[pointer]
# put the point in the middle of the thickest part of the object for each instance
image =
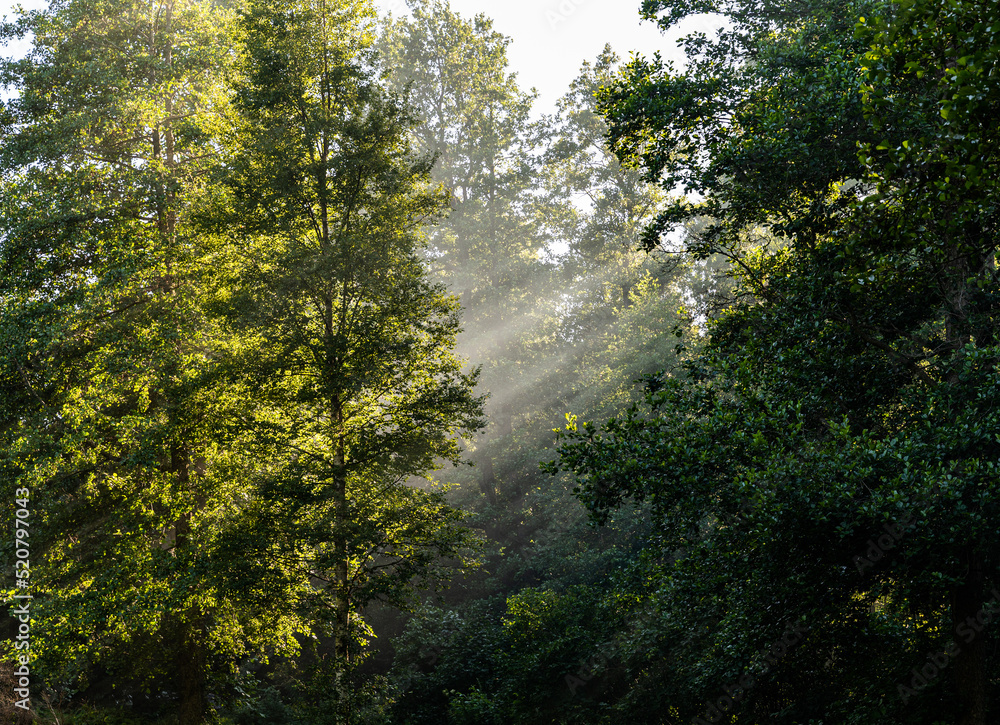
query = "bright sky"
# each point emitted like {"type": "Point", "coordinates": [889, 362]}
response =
{"type": "Point", "coordinates": [7, 10]}
{"type": "Point", "coordinates": [552, 38]}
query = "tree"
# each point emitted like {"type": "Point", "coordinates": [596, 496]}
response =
{"type": "Point", "coordinates": [851, 385]}
{"type": "Point", "coordinates": [360, 391]}
{"type": "Point", "coordinates": [114, 416]}
{"type": "Point", "coordinates": [930, 72]}
{"type": "Point", "coordinates": [491, 249]}
{"type": "Point", "coordinates": [560, 591]}
{"type": "Point", "coordinates": [614, 293]}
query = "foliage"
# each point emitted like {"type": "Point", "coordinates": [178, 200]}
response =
{"type": "Point", "coordinates": [849, 386]}
{"type": "Point", "coordinates": [218, 446]}
{"type": "Point", "coordinates": [235, 244]}
{"type": "Point", "coordinates": [114, 416]}
{"type": "Point", "coordinates": [577, 339]}
{"type": "Point", "coordinates": [491, 248]}
{"type": "Point", "coordinates": [348, 342]}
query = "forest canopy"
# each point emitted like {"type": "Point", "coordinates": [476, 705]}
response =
{"type": "Point", "coordinates": [338, 385]}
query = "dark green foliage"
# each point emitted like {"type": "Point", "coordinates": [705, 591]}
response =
{"type": "Point", "coordinates": [851, 384]}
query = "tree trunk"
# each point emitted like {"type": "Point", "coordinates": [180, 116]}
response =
{"type": "Point", "coordinates": [190, 652]}
{"type": "Point", "coordinates": [505, 421]}
{"type": "Point", "coordinates": [341, 581]}
{"type": "Point", "coordinates": [487, 479]}
{"type": "Point", "coordinates": [191, 671]}
{"type": "Point", "coordinates": [970, 664]}
{"type": "Point", "coordinates": [342, 616]}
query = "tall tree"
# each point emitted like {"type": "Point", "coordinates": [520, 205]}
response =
{"type": "Point", "coordinates": [931, 72]}
{"type": "Point", "coordinates": [570, 589]}
{"type": "Point", "coordinates": [614, 293]}
{"type": "Point", "coordinates": [491, 249]}
{"type": "Point", "coordinates": [360, 389]}
{"type": "Point", "coordinates": [114, 415]}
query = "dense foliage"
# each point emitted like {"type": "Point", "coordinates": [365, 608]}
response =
{"type": "Point", "coordinates": [684, 398]}
{"type": "Point", "coordinates": [832, 458]}
{"type": "Point", "coordinates": [224, 361]}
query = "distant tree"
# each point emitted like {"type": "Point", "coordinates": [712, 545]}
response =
{"type": "Point", "coordinates": [491, 248]}
{"type": "Point", "coordinates": [567, 595]}
{"type": "Point", "coordinates": [617, 298]}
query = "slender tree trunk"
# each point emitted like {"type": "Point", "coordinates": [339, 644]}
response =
{"type": "Point", "coordinates": [487, 479]}
{"type": "Point", "coordinates": [970, 664]}
{"type": "Point", "coordinates": [342, 603]}
{"type": "Point", "coordinates": [505, 420]}
{"type": "Point", "coordinates": [190, 644]}
{"type": "Point", "coordinates": [190, 652]}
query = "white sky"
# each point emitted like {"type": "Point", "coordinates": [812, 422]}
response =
{"type": "Point", "coordinates": [7, 10]}
{"type": "Point", "coordinates": [550, 39]}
